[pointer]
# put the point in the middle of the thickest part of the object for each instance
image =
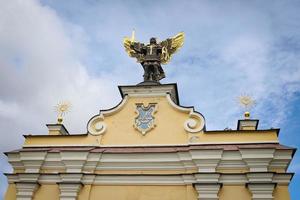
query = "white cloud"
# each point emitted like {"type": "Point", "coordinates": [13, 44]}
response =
{"type": "Point", "coordinates": [73, 52]}
{"type": "Point", "coordinates": [38, 69]}
{"type": "Point", "coordinates": [40, 65]}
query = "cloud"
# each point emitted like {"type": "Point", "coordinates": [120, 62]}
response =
{"type": "Point", "coordinates": [53, 51]}
{"type": "Point", "coordinates": [40, 65]}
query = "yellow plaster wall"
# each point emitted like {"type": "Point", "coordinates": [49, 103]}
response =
{"type": "Point", "coordinates": [47, 192]}
{"type": "Point", "coordinates": [61, 140]}
{"type": "Point", "coordinates": [85, 193]}
{"type": "Point", "coordinates": [169, 129]}
{"type": "Point", "coordinates": [242, 136]}
{"type": "Point", "coordinates": [281, 192]}
{"type": "Point", "coordinates": [234, 192]}
{"type": "Point", "coordinates": [149, 192]}
{"type": "Point", "coordinates": [143, 193]}
{"type": "Point", "coordinates": [10, 192]}
{"type": "Point", "coordinates": [169, 125]}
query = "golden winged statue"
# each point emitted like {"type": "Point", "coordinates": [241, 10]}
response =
{"type": "Point", "coordinates": [152, 55]}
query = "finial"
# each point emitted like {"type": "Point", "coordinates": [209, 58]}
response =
{"type": "Point", "coordinates": [247, 102]}
{"type": "Point", "coordinates": [61, 109]}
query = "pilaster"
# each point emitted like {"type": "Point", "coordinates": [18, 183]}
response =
{"type": "Point", "coordinates": [207, 191]}
{"type": "Point", "coordinates": [26, 190]}
{"type": "Point", "coordinates": [261, 191]}
{"type": "Point", "coordinates": [69, 191]}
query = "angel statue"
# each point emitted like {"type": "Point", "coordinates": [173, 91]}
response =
{"type": "Point", "coordinates": [152, 55]}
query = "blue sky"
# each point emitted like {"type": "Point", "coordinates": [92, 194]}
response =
{"type": "Point", "coordinates": [56, 50]}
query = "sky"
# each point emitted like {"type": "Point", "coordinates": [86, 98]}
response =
{"type": "Point", "coordinates": [53, 50]}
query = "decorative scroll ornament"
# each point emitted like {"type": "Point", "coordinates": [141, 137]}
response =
{"type": "Point", "coordinates": [97, 126]}
{"type": "Point", "coordinates": [195, 123]}
{"type": "Point", "coordinates": [144, 121]}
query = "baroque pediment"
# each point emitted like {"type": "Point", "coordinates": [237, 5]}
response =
{"type": "Point", "coordinates": [147, 114]}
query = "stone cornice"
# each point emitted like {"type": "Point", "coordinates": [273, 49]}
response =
{"type": "Point", "coordinates": [153, 179]}
{"type": "Point", "coordinates": [204, 160]}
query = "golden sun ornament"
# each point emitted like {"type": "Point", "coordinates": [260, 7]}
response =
{"type": "Point", "coordinates": [247, 102]}
{"type": "Point", "coordinates": [62, 108]}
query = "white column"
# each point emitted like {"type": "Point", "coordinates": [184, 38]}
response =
{"type": "Point", "coordinates": [261, 191]}
{"type": "Point", "coordinates": [25, 191]}
{"type": "Point", "coordinates": [208, 191]}
{"type": "Point", "coordinates": [69, 191]}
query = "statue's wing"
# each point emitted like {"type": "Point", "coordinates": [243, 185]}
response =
{"type": "Point", "coordinates": [170, 46]}
{"type": "Point", "coordinates": [131, 50]}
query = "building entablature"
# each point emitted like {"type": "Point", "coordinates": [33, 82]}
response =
{"type": "Point", "coordinates": [153, 179]}
{"type": "Point", "coordinates": [201, 158]}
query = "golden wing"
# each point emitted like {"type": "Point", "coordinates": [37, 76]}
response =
{"type": "Point", "coordinates": [170, 46]}
{"type": "Point", "coordinates": [133, 49]}
{"type": "Point", "coordinates": [128, 47]}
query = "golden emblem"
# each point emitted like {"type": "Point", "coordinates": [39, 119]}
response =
{"type": "Point", "coordinates": [61, 109]}
{"type": "Point", "coordinates": [247, 102]}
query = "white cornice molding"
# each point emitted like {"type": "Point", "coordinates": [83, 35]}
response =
{"type": "Point", "coordinates": [28, 177]}
{"type": "Point", "coordinates": [32, 161]}
{"type": "Point", "coordinates": [49, 179]}
{"type": "Point", "coordinates": [152, 145]}
{"type": "Point", "coordinates": [260, 177]}
{"type": "Point", "coordinates": [207, 177]}
{"type": "Point", "coordinates": [282, 179]}
{"type": "Point", "coordinates": [74, 161]}
{"type": "Point", "coordinates": [153, 179]}
{"type": "Point", "coordinates": [150, 91]}
{"type": "Point", "coordinates": [206, 160]}
{"type": "Point", "coordinates": [71, 177]}
{"type": "Point", "coordinates": [233, 179]}
{"type": "Point", "coordinates": [255, 160]}
{"type": "Point", "coordinates": [258, 160]}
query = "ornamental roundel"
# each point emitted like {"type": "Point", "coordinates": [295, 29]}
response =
{"type": "Point", "coordinates": [144, 120]}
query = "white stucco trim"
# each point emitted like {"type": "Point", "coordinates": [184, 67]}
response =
{"type": "Point", "coordinates": [158, 179]}
{"type": "Point", "coordinates": [203, 160]}
{"type": "Point", "coordinates": [150, 145]}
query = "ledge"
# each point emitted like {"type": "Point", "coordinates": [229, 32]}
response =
{"type": "Point", "coordinates": [243, 131]}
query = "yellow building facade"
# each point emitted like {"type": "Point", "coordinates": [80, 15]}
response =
{"type": "Point", "coordinates": [148, 147]}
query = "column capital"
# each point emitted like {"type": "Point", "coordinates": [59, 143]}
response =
{"type": "Point", "coordinates": [261, 191]}
{"type": "Point", "coordinates": [26, 190]}
{"type": "Point", "coordinates": [69, 191]}
{"type": "Point", "coordinates": [207, 191]}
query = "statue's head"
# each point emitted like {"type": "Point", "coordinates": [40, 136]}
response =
{"type": "Point", "coordinates": [153, 40]}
